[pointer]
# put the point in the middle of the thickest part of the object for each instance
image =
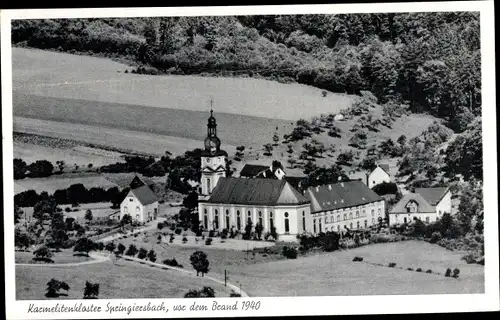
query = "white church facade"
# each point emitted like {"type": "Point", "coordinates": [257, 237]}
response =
{"type": "Point", "coordinates": [252, 198]}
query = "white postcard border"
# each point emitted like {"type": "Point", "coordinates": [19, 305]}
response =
{"type": "Point", "coordinates": [274, 306]}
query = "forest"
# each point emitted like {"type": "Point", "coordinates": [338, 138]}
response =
{"type": "Point", "coordinates": [423, 62]}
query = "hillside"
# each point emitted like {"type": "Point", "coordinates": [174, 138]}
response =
{"type": "Point", "coordinates": [430, 61]}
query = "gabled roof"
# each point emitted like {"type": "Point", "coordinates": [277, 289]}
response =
{"type": "Point", "coordinates": [144, 195]}
{"type": "Point", "coordinates": [340, 195]}
{"type": "Point", "coordinates": [423, 205]}
{"type": "Point", "coordinates": [385, 167]}
{"type": "Point", "coordinates": [136, 183]}
{"type": "Point", "coordinates": [255, 192]}
{"type": "Point", "coordinates": [251, 170]}
{"type": "Point", "coordinates": [432, 195]}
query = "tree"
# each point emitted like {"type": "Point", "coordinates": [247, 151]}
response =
{"type": "Point", "coordinates": [61, 164]}
{"type": "Point", "coordinates": [59, 236]}
{"type": "Point", "coordinates": [120, 249]}
{"type": "Point", "coordinates": [20, 169]}
{"type": "Point", "coordinates": [402, 140]}
{"type": "Point", "coordinates": [42, 253]}
{"type": "Point", "coordinates": [142, 253]}
{"type": "Point", "coordinates": [91, 290]}
{"type": "Point", "coordinates": [200, 262]}
{"type": "Point", "coordinates": [88, 216]}
{"type": "Point", "coordinates": [18, 214]}
{"type": "Point", "coordinates": [248, 230]}
{"type": "Point", "coordinates": [258, 229]}
{"type": "Point", "coordinates": [126, 219]}
{"type": "Point", "coordinates": [471, 207]}
{"type": "Point", "coordinates": [22, 240]}
{"type": "Point", "coordinates": [152, 255]}
{"type": "Point", "coordinates": [276, 138]}
{"type": "Point", "coordinates": [84, 245]}
{"type": "Point", "coordinates": [324, 175]}
{"type": "Point", "coordinates": [28, 198]}
{"type": "Point", "coordinates": [131, 251]}
{"type": "Point", "coordinates": [44, 209]}
{"type": "Point", "coordinates": [54, 286]}
{"type": "Point", "coordinates": [268, 149]}
{"type": "Point", "coordinates": [206, 292]}
{"type": "Point", "coordinates": [40, 169]}
{"type": "Point", "coordinates": [110, 246]}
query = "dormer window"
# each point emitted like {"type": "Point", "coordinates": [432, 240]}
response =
{"type": "Point", "coordinates": [411, 207]}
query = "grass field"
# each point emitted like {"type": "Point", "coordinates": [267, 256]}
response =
{"type": "Point", "coordinates": [335, 273]}
{"type": "Point", "coordinates": [60, 75]}
{"type": "Point", "coordinates": [123, 280]}
{"type": "Point", "coordinates": [65, 256]}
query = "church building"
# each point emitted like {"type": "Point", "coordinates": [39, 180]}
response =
{"type": "Point", "coordinates": [229, 202]}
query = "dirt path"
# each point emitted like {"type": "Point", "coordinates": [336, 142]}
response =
{"type": "Point", "coordinates": [96, 258]}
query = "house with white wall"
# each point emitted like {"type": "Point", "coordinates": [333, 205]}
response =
{"type": "Point", "coordinates": [140, 203]}
{"type": "Point", "coordinates": [426, 204]}
{"type": "Point", "coordinates": [378, 175]}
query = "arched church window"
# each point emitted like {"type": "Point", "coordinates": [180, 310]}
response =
{"type": "Point", "coordinates": [357, 225]}
{"type": "Point", "coordinates": [338, 218]}
{"type": "Point", "coordinates": [350, 225]}
{"type": "Point", "coordinates": [208, 185]}
{"type": "Point", "coordinates": [314, 226]}
{"type": "Point", "coordinates": [320, 227]}
{"type": "Point", "coordinates": [249, 217]}
{"type": "Point", "coordinates": [227, 219]}
{"type": "Point", "coordinates": [260, 217]}
{"type": "Point", "coordinates": [216, 220]}
{"type": "Point", "coordinates": [238, 220]}
{"type": "Point", "coordinates": [271, 221]}
{"type": "Point", "coordinates": [287, 223]}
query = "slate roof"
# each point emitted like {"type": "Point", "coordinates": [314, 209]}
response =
{"type": "Point", "coordinates": [340, 195]}
{"type": "Point", "coordinates": [251, 170]}
{"type": "Point", "coordinates": [432, 195]}
{"type": "Point", "coordinates": [294, 181]}
{"type": "Point", "coordinates": [255, 192]}
{"type": "Point", "coordinates": [144, 195]}
{"type": "Point", "coordinates": [423, 205]}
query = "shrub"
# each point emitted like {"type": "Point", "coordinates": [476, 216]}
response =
{"type": "Point", "coordinates": [456, 272]}
{"type": "Point", "coordinates": [184, 240]}
{"type": "Point", "coordinates": [68, 209]}
{"type": "Point", "coordinates": [409, 269]}
{"type": "Point", "coordinates": [211, 234]}
{"type": "Point", "coordinates": [436, 236]}
{"type": "Point", "coordinates": [172, 263]}
{"type": "Point", "coordinates": [448, 273]}
{"type": "Point", "coordinates": [178, 231]}
{"type": "Point", "coordinates": [429, 271]}
{"type": "Point", "coordinates": [289, 252]}
{"type": "Point", "coordinates": [234, 295]}
{"type": "Point", "coordinates": [224, 234]}
{"type": "Point", "coordinates": [392, 264]}
{"type": "Point", "coordinates": [357, 259]}
{"type": "Point", "coordinates": [160, 225]}
{"type": "Point", "coordinates": [419, 270]}
{"type": "Point", "coordinates": [208, 241]}
{"type": "Point", "coordinates": [469, 258]}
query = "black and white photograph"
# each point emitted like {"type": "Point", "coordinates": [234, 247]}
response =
{"type": "Point", "coordinates": [250, 154]}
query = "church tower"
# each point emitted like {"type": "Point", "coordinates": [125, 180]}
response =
{"type": "Point", "coordinates": [213, 160]}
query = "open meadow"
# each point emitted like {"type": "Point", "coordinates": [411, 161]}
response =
{"type": "Point", "coordinates": [336, 274]}
{"type": "Point", "coordinates": [60, 75]}
{"type": "Point", "coordinates": [333, 273]}
{"type": "Point", "coordinates": [120, 280]}
{"type": "Point", "coordinates": [85, 98]}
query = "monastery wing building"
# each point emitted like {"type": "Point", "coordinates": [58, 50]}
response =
{"type": "Point", "coordinates": [234, 202]}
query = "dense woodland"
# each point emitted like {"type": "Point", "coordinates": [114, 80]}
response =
{"type": "Point", "coordinates": [429, 62]}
